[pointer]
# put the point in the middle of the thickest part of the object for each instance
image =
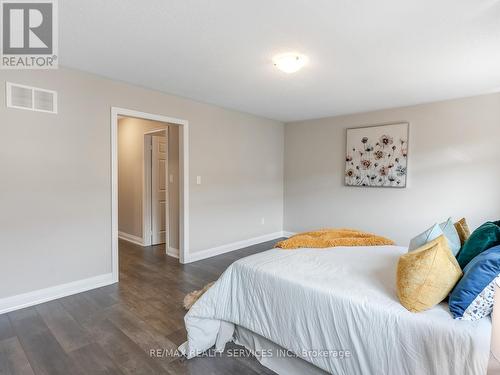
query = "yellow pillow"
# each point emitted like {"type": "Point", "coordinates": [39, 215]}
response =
{"type": "Point", "coordinates": [426, 275]}
{"type": "Point", "coordinates": [462, 230]}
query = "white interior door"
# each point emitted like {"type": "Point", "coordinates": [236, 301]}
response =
{"type": "Point", "coordinates": [159, 190]}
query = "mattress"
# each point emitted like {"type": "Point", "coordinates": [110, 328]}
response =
{"type": "Point", "coordinates": [337, 309]}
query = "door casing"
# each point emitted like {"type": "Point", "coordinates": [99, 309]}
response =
{"type": "Point", "coordinates": [148, 194]}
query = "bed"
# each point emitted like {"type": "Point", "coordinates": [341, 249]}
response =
{"type": "Point", "coordinates": [337, 310]}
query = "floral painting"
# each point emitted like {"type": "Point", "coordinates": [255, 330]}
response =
{"type": "Point", "coordinates": [377, 156]}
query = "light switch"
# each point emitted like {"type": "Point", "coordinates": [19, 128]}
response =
{"type": "Point", "coordinates": [198, 180]}
{"type": "Point", "coordinates": [171, 178]}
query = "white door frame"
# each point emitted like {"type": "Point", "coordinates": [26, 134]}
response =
{"type": "Point", "coordinates": [183, 177]}
{"type": "Point", "coordinates": [147, 225]}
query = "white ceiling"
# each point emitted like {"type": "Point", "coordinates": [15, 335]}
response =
{"type": "Point", "coordinates": [364, 54]}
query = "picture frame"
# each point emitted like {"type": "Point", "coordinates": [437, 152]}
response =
{"type": "Point", "coordinates": [377, 155]}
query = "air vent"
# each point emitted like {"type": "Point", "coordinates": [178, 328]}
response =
{"type": "Point", "coordinates": [31, 98]}
{"type": "Point", "coordinates": [20, 97]}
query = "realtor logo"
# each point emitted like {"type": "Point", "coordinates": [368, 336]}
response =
{"type": "Point", "coordinates": [29, 34]}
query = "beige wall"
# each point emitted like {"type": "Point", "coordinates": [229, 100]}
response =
{"type": "Point", "coordinates": [55, 190]}
{"type": "Point", "coordinates": [454, 170]}
{"type": "Point", "coordinates": [131, 133]}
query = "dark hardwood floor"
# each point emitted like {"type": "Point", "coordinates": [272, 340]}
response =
{"type": "Point", "coordinates": [112, 330]}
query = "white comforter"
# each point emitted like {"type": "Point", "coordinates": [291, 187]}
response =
{"type": "Point", "coordinates": [338, 299]}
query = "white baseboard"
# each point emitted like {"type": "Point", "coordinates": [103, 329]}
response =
{"type": "Point", "coordinates": [131, 238]}
{"type": "Point", "coordinates": [208, 253]}
{"type": "Point", "coordinates": [48, 294]}
{"type": "Point", "coordinates": [173, 252]}
{"type": "Point", "coordinates": [288, 234]}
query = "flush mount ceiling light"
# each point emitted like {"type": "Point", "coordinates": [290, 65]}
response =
{"type": "Point", "coordinates": [290, 62]}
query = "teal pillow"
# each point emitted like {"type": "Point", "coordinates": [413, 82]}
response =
{"type": "Point", "coordinates": [430, 234]}
{"type": "Point", "coordinates": [451, 234]}
{"type": "Point", "coordinates": [483, 238]}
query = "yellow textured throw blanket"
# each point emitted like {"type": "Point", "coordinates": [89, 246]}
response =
{"type": "Point", "coordinates": [333, 237]}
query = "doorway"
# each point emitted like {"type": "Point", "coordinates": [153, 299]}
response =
{"type": "Point", "coordinates": [154, 212]}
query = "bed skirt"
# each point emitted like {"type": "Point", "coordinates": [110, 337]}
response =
{"type": "Point", "coordinates": [273, 356]}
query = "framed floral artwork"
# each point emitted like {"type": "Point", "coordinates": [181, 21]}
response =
{"type": "Point", "coordinates": [377, 156]}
